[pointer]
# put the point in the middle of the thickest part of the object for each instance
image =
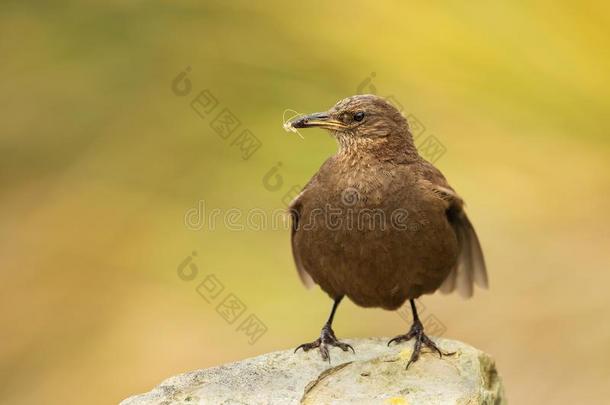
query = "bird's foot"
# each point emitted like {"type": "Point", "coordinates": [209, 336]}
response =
{"type": "Point", "coordinates": [327, 338]}
{"type": "Point", "coordinates": [417, 332]}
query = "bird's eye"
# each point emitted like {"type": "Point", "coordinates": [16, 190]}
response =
{"type": "Point", "coordinates": [359, 116]}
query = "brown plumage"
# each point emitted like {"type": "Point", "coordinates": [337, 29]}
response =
{"type": "Point", "coordinates": [378, 223]}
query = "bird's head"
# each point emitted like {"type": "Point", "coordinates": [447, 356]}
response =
{"type": "Point", "coordinates": [366, 118]}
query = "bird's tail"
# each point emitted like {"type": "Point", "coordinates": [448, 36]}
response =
{"type": "Point", "coordinates": [470, 268]}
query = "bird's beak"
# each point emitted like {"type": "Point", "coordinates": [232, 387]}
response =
{"type": "Point", "coordinates": [320, 119]}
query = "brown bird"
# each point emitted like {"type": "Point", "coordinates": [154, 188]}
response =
{"type": "Point", "coordinates": [378, 223]}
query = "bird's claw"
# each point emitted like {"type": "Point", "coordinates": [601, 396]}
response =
{"type": "Point", "coordinates": [417, 332]}
{"type": "Point", "coordinates": [327, 338]}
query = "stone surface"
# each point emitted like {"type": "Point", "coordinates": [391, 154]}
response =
{"type": "Point", "coordinates": [374, 375]}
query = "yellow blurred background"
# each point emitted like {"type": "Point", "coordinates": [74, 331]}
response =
{"type": "Point", "coordinates": [101, 160]}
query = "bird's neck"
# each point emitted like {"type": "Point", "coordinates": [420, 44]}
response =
{"type": "Point", "coordinates": [395, 147]}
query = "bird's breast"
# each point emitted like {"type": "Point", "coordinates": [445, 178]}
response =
{"type": "Point", "coordinates": [370, 234]}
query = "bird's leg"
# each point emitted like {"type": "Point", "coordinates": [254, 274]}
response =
{"type": "Point", "coordinates": [417, 332]}
{"type": "Point", "coordinates": [327, 337]}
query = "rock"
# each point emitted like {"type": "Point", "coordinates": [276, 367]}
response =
{"type": "Point", "coordinates": [376, 374]}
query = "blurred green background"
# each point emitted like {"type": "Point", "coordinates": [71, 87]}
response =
{"type": "Point", "coordinates": [100, 161]}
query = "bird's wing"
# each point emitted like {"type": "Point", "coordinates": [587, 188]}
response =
{"type": "Point", "coordinates": [470, 268]}
{"type": "Point", "coordinates": [295, 214]}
